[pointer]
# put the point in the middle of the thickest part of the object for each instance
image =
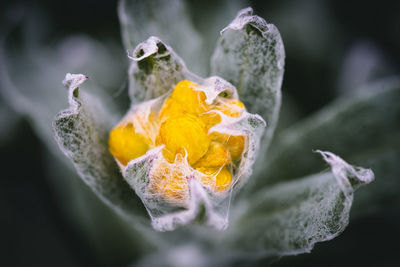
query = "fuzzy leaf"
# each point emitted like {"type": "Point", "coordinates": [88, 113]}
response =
{"type": "Point", "coordinates": [250, 55]}
{"type": "Point", "coordinates": [29, 78]}
{"type": "Point", "coordinates": [383, 195]}
{"type": "Point", "coordinates": [289, 218]}
{"type": "Point", "coordinates": [358, 128]}
{"type": "Point", "coordinates": [155, 70]}
{"type": "Point", "coordinates": [167, 19]}
{"type": "Point", "coordinates": [108, 232]}
{"type": "Point", "coordinates": [81, 131]}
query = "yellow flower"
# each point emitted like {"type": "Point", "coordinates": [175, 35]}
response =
{"type": "Point", "coordinates": [192, 149]}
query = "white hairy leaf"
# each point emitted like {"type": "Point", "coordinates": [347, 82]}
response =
{"type": "Point", "coordinates": [167, 19]}
{"type": "Point", "coordinates": [289, 218]}
{"type": "Point", "coordinates": [359, 129]}
{"type": "Point", "coordinates": [155, 70]}
{"type": "Point", "coordinates": [251, 56]}
{"type": "Point", "coordinates": [81, 131]}
{"type": "Point", "coordinates": [30, 81]}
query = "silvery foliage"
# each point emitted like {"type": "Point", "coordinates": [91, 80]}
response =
{"type": "Point", "coordinates": [162, 69]}
{"type": "Point", "coordinates": [286, 218]}
{"type": "Point", "coordinates": [30, 86]}
{"type": "Point", "coordinates": [167, 20]}
{"type": "Point", "coordinates": [280, 214]}
{"type": "Point", "coordinates": [251, 55]}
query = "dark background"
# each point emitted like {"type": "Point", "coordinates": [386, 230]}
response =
{"type": "Point", "coordinates": [33, 230]}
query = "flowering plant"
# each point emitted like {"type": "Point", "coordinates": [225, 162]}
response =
{"type": "Point", "coordinates": [164, 147]}
{"type": "Point", "coordinates": [167, 171]}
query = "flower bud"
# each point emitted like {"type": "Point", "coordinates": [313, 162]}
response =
{"type": "Point", "coordinates": [199, 132]}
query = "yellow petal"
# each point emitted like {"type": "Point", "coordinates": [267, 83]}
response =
{"type": "Point", "coordinates": [180, 134]}
{"type": "Point", "coordinates": [232, 107]}
{"type": "Point", "coordinates": [216, 157]}
{"type": "Point", "coordinates": [218, 179]}
{"type": "Point", "coordinates": [223, 179]}
{"type": "Point", "coordinates": [234, 144]}
{"type": "Point", "coordinates": [171, 108]}
{"type": "Point", "coordinates": [125, 144]}
{"type": "Point", "coordinates": [210, 119]}
{"type": "Point", "coordinates": [192, 100]}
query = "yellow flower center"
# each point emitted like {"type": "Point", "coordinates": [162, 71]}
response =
{"type": "Point", "coordinates": [190, 150]}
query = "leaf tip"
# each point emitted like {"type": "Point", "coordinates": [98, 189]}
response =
{"type": "Point", "coordinates": [74, 80]}
{"type": "Point", "coordinates": [245, 17]}
{"type": "Point", "coordinates": [345, 173]}
{"type": "Point", "coordinates": [153, 45]}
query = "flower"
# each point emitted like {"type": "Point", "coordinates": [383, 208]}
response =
{"type": "Point", "coordinates": [198, 127]}
{"type": "Point", "coordinates": [182, 126]}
